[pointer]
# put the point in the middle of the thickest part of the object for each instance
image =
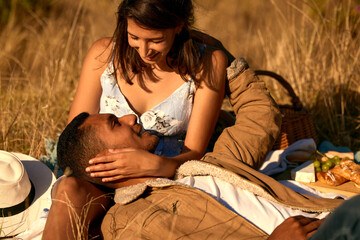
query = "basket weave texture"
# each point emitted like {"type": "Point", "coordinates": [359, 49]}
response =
{"type": "Point", "coordinates": [297, 122]}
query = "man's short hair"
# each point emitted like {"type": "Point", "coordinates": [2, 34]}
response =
{"type": "Point", "coordinates": [77, 145]}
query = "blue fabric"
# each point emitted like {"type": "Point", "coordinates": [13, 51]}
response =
{"type": "Point", "coordinates": [51, 158]}
{"type": "Point", "coordinates": [343, 223]}
{"type": "Point", "coordinates": [168, 120]}
{"type": "Point", "coordinates": [328, 146]}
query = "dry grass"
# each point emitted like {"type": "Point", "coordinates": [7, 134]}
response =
{"type": "Point", "coordinates": [41, 59]}
{"type": "Point", "coordinates": [78, 222]}
{"type": "Point", "coordinates": [314, 46]}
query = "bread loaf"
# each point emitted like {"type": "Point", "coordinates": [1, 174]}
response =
{"type": "Point", "coordinates": [349, 172]}
{"type": "Point", "coordinates": [330, 178]}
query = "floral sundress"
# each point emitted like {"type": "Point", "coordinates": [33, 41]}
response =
{"type": "Point", "coordinates": [168, 120]}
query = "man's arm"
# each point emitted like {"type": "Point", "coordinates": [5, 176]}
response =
{"type": "Point", "coordinates": [258, 118]}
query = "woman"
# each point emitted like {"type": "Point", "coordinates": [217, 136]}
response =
{"type": "Point", "coordinates": [154, 68]}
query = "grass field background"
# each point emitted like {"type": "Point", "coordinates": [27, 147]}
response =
{"type": "Point", "coordinates": [314, 44]}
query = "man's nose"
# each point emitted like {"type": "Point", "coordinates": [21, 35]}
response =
{"type": "Point", "coordinates": [128, 119]}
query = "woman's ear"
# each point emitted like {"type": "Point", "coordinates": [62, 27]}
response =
{"type": "Point", "coordinates": [179, 28]}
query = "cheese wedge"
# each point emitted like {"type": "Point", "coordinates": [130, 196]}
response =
{"type": "Point", "coordinates": [304, 173]}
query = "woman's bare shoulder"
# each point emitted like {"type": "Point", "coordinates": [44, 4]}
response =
{"type": "Point", "coordinates": [211, 42]}
{"type": "Point", "coordinates": [213, 69]}
{"type": "Point", "coordinates": [219, 58]}
{"type": "Point", "coordinates": [215, 60]}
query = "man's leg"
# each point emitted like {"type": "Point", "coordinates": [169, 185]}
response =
{"type": "Point", "coordinates": [76, 204]}
{"type": "Point", "coordinates": [343, 223]}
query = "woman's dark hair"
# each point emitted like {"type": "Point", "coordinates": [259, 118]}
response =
{"type": "Point", "coordinates": [157, 14]}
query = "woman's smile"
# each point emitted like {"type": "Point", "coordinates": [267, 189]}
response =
{"type": "Point", "coordinates": [152, 56]}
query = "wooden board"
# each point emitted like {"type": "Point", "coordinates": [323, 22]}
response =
{"type": "Point", "coordinates": [348, 189]}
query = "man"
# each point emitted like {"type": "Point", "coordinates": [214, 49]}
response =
{"type": "Point", "coordinates": [80, 199]}
{"type": "Point", "coordinates": [186, 202]}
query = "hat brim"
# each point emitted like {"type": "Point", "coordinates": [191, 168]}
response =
{"type": "Point", "coordinates": [42, 178]}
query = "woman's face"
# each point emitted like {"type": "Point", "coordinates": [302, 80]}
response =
{"type": "Point", "coordinates": [152, 45]}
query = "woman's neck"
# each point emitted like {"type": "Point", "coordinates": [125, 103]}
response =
{"type": "Point", "coordinates": [162, 67]}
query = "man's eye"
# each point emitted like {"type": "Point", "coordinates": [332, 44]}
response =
{"type": "Point", "coordinates": [115, 123]}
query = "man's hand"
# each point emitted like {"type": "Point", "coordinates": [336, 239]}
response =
{"type": "Point", "coordinates": [296, 228]}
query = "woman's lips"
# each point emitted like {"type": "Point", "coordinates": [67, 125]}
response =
{"type": "Point", "coordinates": [152, 56]}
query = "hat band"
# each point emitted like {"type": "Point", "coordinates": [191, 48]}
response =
{"type": "Point", "coordinates": [10, 211]}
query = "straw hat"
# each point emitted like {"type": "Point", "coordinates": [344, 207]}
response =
{"type": "Point", "coordinates": [25, 187]}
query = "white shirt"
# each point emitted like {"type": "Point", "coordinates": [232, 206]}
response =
{"type": "Point", "coordinates": [261, 212]}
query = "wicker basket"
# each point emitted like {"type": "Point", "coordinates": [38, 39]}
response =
{"type": "Point", "coordinates": [296, 122]}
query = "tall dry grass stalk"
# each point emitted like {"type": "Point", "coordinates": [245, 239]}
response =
{"type": "Point", "coordinates": [318, 50]}
{"type": "Point", "coordinates": [41, 59]}
{"type": "Point", "coordinates": [314, 44]}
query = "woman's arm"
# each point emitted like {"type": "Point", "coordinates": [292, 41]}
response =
{"type": "Point", "coordinates": [88, 92]}
{"type": "Point", "coordinates": [205, 112]}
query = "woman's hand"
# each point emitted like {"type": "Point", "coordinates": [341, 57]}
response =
{"type": "Point", "coordinates": [116, 164]}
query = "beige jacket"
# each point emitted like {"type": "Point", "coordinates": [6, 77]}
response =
{"type": "Point", "coordinates": [165, 209]}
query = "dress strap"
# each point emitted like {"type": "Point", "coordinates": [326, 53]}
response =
{"type": "Point", "coordinates": [202, 50]}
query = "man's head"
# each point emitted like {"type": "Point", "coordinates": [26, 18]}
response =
{"type": "Point", "coordinates": [88, 135]}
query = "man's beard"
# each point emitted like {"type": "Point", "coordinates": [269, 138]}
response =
{"type": "Point", "coordinates": [154, 145]}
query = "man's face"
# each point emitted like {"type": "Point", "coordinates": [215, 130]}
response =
{"type": "Point", "coordinates": [121, 132]}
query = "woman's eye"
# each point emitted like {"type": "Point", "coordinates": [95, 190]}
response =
{"type": "Point", "coordinates": [133, 37]}
{"type": "Point", "coordinates": [157, 41]}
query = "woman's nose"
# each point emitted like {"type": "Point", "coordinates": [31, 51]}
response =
{"type": "Point", "coordinates": [143, 49]}
{"type": "Point", "coordinates": [130, 119]}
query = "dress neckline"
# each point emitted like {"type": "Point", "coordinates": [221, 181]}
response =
{"type": "Point", "coordinates": [157, 105]}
